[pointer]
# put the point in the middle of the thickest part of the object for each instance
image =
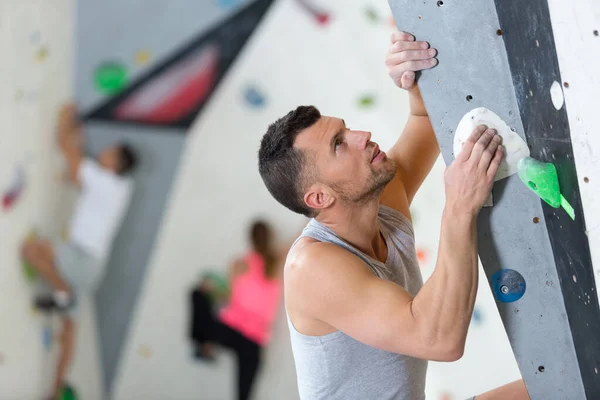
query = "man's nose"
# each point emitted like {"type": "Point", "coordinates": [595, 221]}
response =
{"type": "Point", "coordinates": [360, 138]}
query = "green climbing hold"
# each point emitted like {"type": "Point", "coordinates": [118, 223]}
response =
{"type": "Point", "coordinates": [219, 285]}
{"type": "Point", "coordinates": [219, 281]}
{"type": "Point", "coordinates": [371, 14]}
{"type": "Point", "coordinates": [111, 78]}
{"type": "Point", "coordinates": [67, 393]}
{"type": "Point", "coordinates": [366, 101]}
{"type": "Point", "coordinates": [29, 272]}
{"type": "Point", "coordinates": [542, 179]}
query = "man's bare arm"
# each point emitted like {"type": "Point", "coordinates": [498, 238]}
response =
{"type": "Point", "coordinates": [70, 141]}
{"type": "Point", "coordinates": [417, 148]}
{"type": "Point", "coordinates": [331, 285]}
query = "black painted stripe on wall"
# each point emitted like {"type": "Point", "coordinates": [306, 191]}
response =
{"type": "Point", "coordinates": [527, 31]}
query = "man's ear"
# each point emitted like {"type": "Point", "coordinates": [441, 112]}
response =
{"type": "Point", "coordinates": [319, 197]}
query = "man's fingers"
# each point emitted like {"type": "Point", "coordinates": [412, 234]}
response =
{"type": "Point", "coordinates": [419, 65]}
{"type": "Point", "coordinates": [404, 45]}
{"type": "Point", "coordinates": [397, 72]}
{"type": "Point", "coordinates": [489, 152]}
{"type": "Point", "coordinates": [482, 144]}
{"type": "Point", "coordinates": [394, 59]}
{"type": "Point", "coordinates": [467, 148]}
{"type": "Point", "coordinates": [399, 36]}
{"type": "Point", "coordinates": [495, 163]}
{"type": "Point", "coordinates": [407, 80]}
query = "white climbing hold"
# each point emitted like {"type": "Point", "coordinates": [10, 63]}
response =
{"type": "Point", "coordinates": [556, 93]}
{"type": "Point", "coordinates": [514, 146]}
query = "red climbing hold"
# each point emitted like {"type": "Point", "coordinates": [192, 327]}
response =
{"type": "Point", "coordinates": [446, 396]}
{"type": "Point", "coordinates": [421, 255]}
{"type": "Point", "coordinates": [320, 16]}
{"type": "Point", "coordinates": [14, 191]}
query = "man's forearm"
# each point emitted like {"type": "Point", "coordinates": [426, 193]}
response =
{"type": "Point", "coordinates": [444, 305]}
{"type": "Point", "coordinates": [415, 101]}
{"type": "Point", "coordinates": [63, 139]}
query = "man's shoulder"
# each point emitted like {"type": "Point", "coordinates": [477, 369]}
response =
{"type": "Point", "coordinates": [316, 275]}
{"type": "Point", "coordinates": [311, 260]}
{"type": "Point", "coordinates": [308, 251]}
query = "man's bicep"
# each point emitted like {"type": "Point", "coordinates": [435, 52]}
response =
{"type": "Point", "coordinates": [375, 312]}
{"type": "Point", "coordinates": [345, 294]}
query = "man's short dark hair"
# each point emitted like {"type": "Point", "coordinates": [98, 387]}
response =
{"type": "Point", "coordinates": [283, 168]}
{"type": "Point", "coordinates": [128, 159]}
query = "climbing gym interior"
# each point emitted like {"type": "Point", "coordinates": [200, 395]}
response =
{"type": "Point", "coordinates": [192, 87]}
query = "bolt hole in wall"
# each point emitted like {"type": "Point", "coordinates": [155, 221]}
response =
{"type": "Point", "coordinates": [541, 368]}
{"type": "Point", "coordinates": [469, 98]}
{"type": "Point", "coordinates": [586, 179]}
{"type": "Point", "coordinates": [499, 32]}
{"type": "Point", "coordinates": [536, 220]}
{"type": "Point", "coordinates": [566, 84]}
{"type": "Point", "coordinates": [440, 3]}
{"type": "Point", "coordinates": [596, 33]}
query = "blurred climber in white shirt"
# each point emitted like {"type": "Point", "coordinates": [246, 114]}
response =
{"type": "Point", "coordinates": [75, 267]}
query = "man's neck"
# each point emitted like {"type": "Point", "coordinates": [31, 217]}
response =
{"type": "Point", "coordinates": [359, 226]}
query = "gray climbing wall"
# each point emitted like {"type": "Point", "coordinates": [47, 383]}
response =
{"type": "Point", "coordinates": [116, 298]}
{"type": "Point", "coordinates": [501, 55]}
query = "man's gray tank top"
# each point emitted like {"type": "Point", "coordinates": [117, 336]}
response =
{"type": "Point", "coordinates": [335, 366]}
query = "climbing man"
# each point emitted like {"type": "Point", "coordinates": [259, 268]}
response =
{"type": "Point", "coordinates": [75, 267]}
{"type": "Point", "coordinates": [362, 323]}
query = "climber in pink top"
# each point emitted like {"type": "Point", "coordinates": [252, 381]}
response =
{"type": "Point", "coordinates": [254, 298]}
{"type": "Point", "coordinates": [244, 324]}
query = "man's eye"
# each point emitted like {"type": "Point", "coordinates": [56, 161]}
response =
{"type": "Point", "coordinates": [338, 143]}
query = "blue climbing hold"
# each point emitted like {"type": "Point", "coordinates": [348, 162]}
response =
{"type": "Point", "coordinates": [477, 316]}
{"type": "Point", "coordinates": [254, 97]}
{"type": "Point", "coordinates": [508, 285]}
{"type": "Point", "coordinates": [47, 338]}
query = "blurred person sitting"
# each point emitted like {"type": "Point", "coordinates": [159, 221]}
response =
{"type": "Point", "coordinates": [75, 267]}
{"type": "Point", "coordinates": [244, 324]}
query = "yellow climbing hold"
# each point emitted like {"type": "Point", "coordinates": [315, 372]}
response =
{"type": "Point", "coordinates": [142, 57]}
{"type": "Point", "coordinates": [64, 233]}
{"type": "Point", "coordinates": [41, 54]}
{"type": "Point", "coordinates": [145, 351]}
{"type": "Point", "coordinates": [19, 94]}
{"type": "Point", "coordinates": [34, 311]}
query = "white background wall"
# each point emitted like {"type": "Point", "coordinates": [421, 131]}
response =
{"type": "Point", "coordinates": [36, 48]}
{"type": "Point", "coordinates": [292, 61]}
